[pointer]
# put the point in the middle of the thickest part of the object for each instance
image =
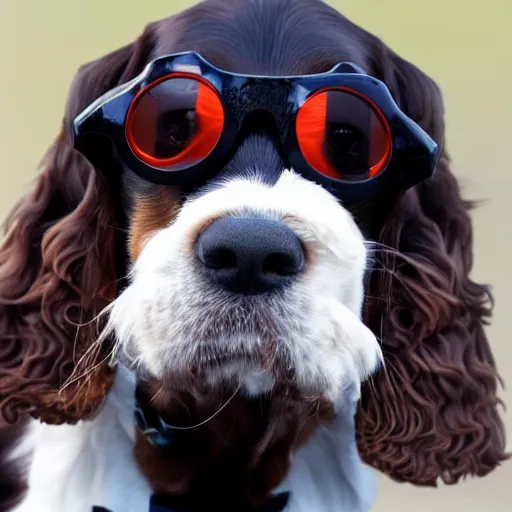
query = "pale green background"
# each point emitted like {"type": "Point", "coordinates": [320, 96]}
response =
{"type": "Point", "coordinates": [464, 44]}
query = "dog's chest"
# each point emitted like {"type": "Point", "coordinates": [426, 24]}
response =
{"type": "Point", "coordinates": [77, 468]}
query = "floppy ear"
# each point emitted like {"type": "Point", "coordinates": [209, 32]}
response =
{"type": "Point", "coordinates": [58, 269]}
{"type": "Point", "coordinates": [432, 411]}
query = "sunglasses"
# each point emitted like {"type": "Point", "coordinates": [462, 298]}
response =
{"type": "Point", "coordinates": [181, 119]}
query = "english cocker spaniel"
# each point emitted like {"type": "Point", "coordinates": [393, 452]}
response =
{"type": "Point", "coordinates": [241, 280]}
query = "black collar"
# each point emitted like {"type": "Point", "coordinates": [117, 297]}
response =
{"type": "Point", "coordinates": [154, 428]}
{"type": "Point", "coordinates": [170, 504]}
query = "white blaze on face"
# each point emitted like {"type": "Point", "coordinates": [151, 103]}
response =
{"type": "Point", "coordinates": [170, 309]}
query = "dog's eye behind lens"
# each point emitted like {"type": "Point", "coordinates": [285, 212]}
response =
{"type": "Point", "coordinates": [343, 136]}
{"type": "Point", "coordinates": [175, 123]}
{"type": "Point", "coordinates": [175, 130]}
{"type": "Point", "coordinates": [346, 148]}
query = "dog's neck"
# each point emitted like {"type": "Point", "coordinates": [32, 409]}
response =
{"type": "Point", "coordinates": [92, 464]}
{"type": "Point", "coordinates": [232, 459]}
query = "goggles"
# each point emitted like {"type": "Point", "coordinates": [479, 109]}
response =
{"type": "Point", "coordinates": [181, 119]}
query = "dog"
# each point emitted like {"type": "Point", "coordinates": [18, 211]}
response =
{"type": "Point", "coordinates": [242, 334]}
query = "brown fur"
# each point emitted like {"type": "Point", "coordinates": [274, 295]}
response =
{"type": "Point", "coordinates": [237, 457]}
{"type": "Point", "coordinates": [150, 214]}
{"type": "Point", "coordinates": [431, 414]}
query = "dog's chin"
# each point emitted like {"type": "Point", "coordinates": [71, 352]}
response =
{"type": "Point", "coordinates": [190, 393]}
{"type": "Point", "coordinates": [222, 375]}
{"type": "Point", "coordinates": [244, 376]}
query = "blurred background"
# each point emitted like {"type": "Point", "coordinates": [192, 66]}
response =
{"type": "Point", "coordinates": [465, 46]}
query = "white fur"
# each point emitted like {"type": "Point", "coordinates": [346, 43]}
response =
{"type": "Point", "coordinates": [166, 315]}
{"type": "Point", "coordinates": [76, 467]}
{"type": "Point", "coordinates": [91, 463]}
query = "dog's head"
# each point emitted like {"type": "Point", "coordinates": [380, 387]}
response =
{"type": "Point", "coordinates": [256, 287]}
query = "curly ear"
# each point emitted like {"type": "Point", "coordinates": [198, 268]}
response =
{"type": "Point", "coordinates": [432, 412]}
{"type": "Point", "coordinates": [58, 269]}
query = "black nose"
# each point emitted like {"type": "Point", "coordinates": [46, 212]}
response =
{"type": "Point", "coordinates": [250, 255]}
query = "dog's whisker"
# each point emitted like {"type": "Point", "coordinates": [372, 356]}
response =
{"type": "Point", "coordinates": [156, 394]}
{"type": "Point", "coordinates": [92, 352]}
{"type": "Point", "coordinates": [214, 415]}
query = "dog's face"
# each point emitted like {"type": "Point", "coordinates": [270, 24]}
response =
{"type": "Point", "coordinates": [255, 278]}
{"type": "Point", "coordinates": [250, 281]}
{"type": "Point", "coordinates": [255, 282]}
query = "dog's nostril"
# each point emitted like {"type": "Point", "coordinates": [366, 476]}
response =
{"type": "Point", "coordinates": [281, 264]}
{"type": "Point", "coordinates": [250, 255]}
{"type": "Point", "coordinates": [220, 258]}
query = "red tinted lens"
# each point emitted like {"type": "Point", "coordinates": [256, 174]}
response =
{"type": "Point", "coordinates": [343, 135]}
{"type": "Point", "coordinates": [175, 122]}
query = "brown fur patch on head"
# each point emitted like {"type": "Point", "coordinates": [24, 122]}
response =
{"type": "Point", "coordinates": [151, 213]}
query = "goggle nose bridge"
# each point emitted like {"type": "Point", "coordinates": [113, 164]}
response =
{"type": "Point", "coordinates": [263, 122]}
{"type": "Point", "coordinates": [261, 96]}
